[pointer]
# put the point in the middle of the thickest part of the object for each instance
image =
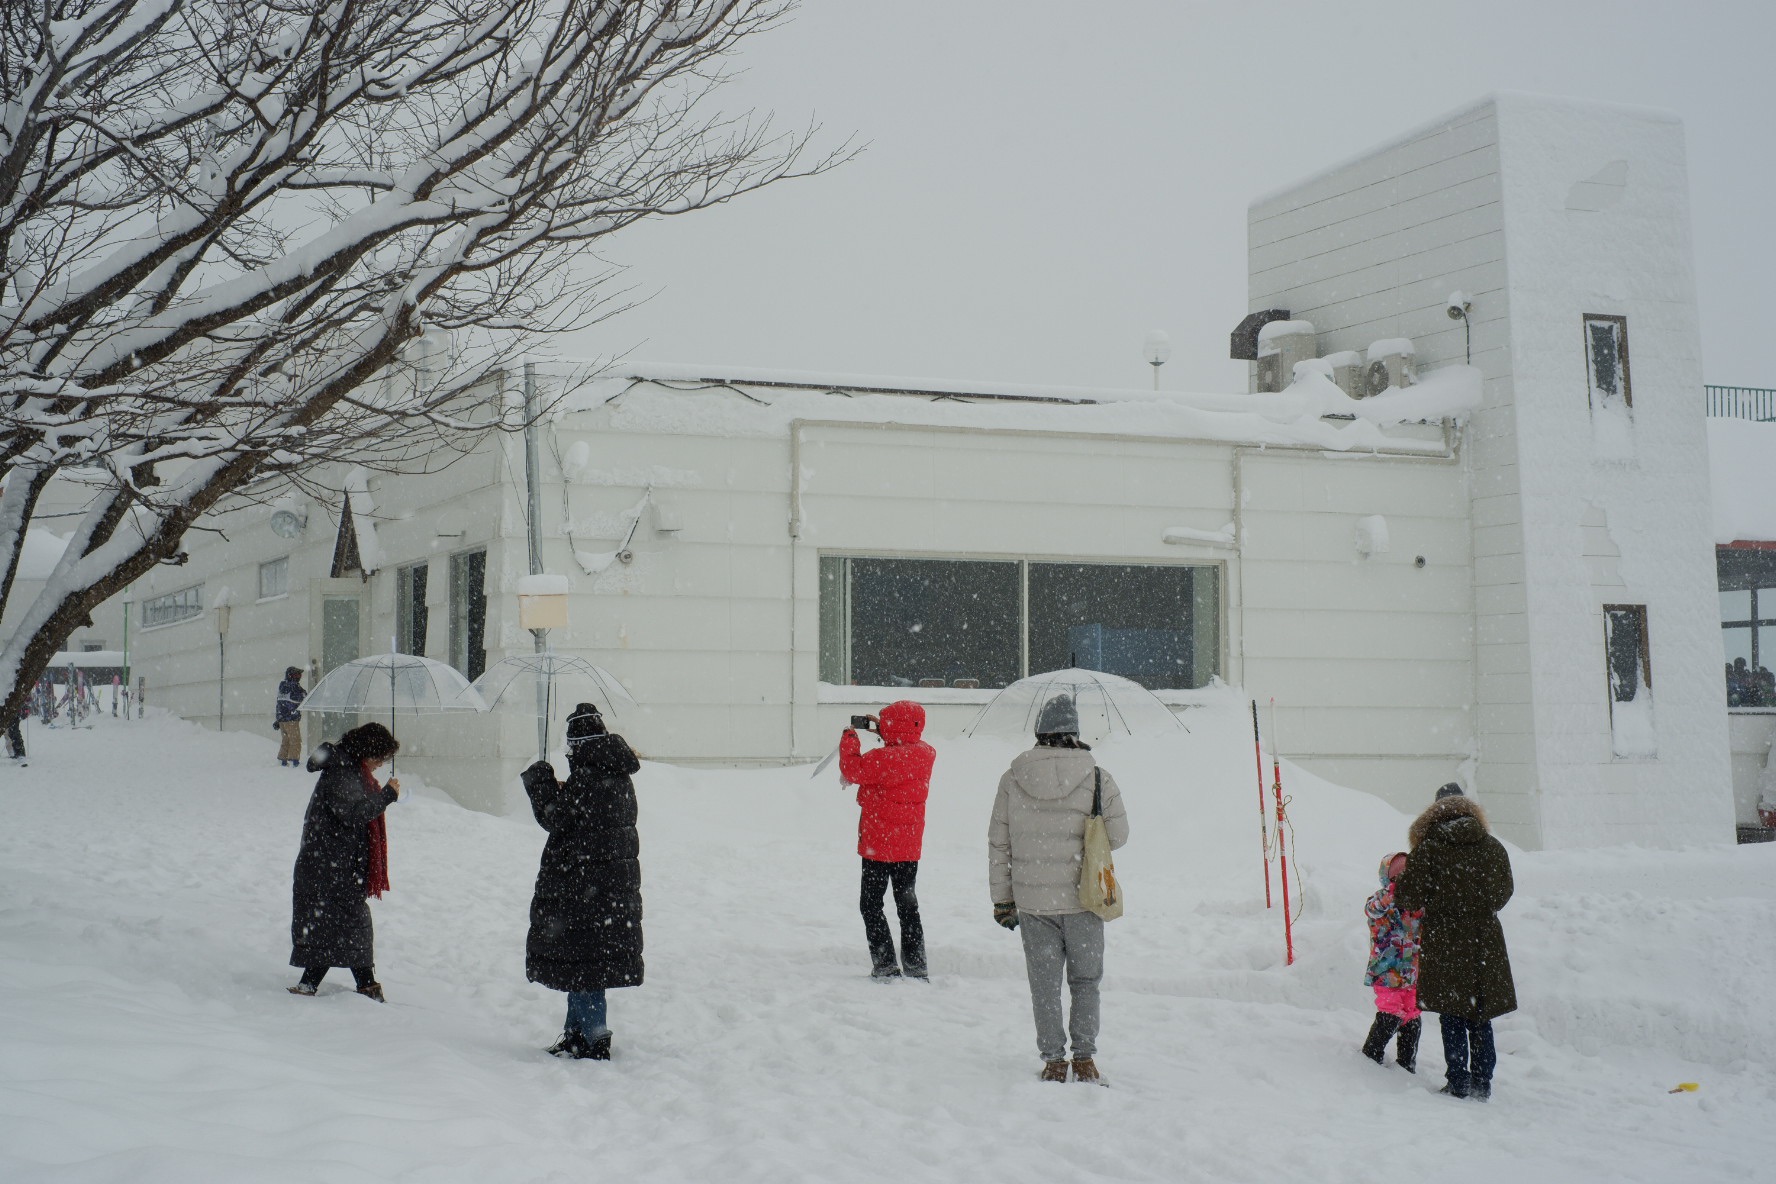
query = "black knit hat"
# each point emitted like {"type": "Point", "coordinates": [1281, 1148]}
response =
{"type": "Point", "coordinates": [1449, 790]}
{"type": "Point", "coordinates": [293, 673]}
{"type": "Point", "coordinates": [1059, 716]}
{"type": "Point", "coordinates": [584, 723]}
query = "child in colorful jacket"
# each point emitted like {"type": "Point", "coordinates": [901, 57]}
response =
{"type": "Point", "coordinates": [1393, 970]}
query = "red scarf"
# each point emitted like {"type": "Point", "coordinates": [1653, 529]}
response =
{"type": "Point", "coordinates": [378, 883]}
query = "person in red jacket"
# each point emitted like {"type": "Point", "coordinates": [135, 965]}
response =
{"type": "Point", "coordinates": [892, 782]}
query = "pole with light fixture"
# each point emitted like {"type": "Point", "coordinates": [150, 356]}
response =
{"type": "Point", "coordinates": [1458, 306]}
{"type": "Point", "coordinates": [1157, 349]}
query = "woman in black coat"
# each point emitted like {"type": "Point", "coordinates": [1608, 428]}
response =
{"type": "Point", "coordinates": [1460, 875]}
{"type": "Point", "coordinates": [585, 918]}
{"type": "Point", "coordinates": [343, 860]}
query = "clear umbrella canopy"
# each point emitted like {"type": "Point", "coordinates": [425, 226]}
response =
{"type": "Point", "coordinates": [546, 686]}
{"type": "Point", "coordinates": [401, 684]}
{"type": "Point", "coordinates": [1108, 704]}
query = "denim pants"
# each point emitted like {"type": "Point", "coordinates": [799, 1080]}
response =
{"type": "Point", "coordinates": [1066, 946]}
{"type": "Point", "coordinates": [586, 1013]}
{"type": "Point", "coordinates": [1460, 1037]}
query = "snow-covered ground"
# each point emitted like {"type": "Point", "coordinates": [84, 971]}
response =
{"type": "Point", "coordinates": [145, 1033]}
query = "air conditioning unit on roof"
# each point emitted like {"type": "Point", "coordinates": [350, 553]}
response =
{"type": "Point", "coordinates": [1281, 344]}
{"type": "Point", "coordinates": [1390, 365]}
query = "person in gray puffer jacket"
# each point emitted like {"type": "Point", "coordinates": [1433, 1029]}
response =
{"type": "Point", "coordinates": [1035, 848]}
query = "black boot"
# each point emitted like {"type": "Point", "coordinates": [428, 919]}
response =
{"type": "Point", "coordinates": [1380, 1032]}
{"type": "Point", "coordinates": [1406, 1051]}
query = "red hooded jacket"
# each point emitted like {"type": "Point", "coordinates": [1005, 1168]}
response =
{"type": "Point", "coordinates": [892, 782]}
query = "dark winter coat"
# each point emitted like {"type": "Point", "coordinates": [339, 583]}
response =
{"type": "Point", "coordinates": [585, 918]}
{"type": "Point", "coordinates": [892, 783]}
{"type": "Point", "coordinates": [1461, 877]}
{"type": "Point", "coordinates": [289, 702]}
{"type": "Point", "coordinates": [330, 920]}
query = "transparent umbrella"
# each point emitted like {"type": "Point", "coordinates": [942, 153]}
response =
{"type": "Point", "coordinates": [1107, 704]}
{"type": "Point", "coordinates": [542, 685]}
{"type": "Point", "coordinates": [405, 684]}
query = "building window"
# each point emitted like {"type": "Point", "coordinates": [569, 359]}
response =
{"type": "Point", "coordinates": [92, 647]}
{"type": "Point", "coordinates": [1156, 625]}
{"type": "Point", "coordinates": [468, 613]}
{"type": "Point", "coordinates": [986, 623]}
{"type": "Point", "coordinates": [1748, 623]}
{"type": "Point", "coordinates": [274, 578]}
{"type": "Point", "coordinates": [1630, 679]}
{"type": "Point", "coordinates": [174, 606]}
{"type": "Point", "coordinates": [1606, 361]}
{"type": "Point", "coordinates": [410, 609]}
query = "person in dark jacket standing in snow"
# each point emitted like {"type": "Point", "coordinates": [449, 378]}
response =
{"type": "Point", "coordinates": [1460, 875]}
{"type": "Point", "coordinates": [1035, 851]}
{"type": "Point", "coordinates": [287, 717]}
{"type": "Point", "coordinates": [892, 783]}
{"type": "Point", "coordinates": [343, 860]}
{"type": "Point", "coordinates": [585, 916]}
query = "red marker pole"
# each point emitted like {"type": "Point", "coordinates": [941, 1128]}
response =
{"type": "Point", "coordinates": [1276, 771]}
{"type": "Point", "coordinates": [1263, 832]}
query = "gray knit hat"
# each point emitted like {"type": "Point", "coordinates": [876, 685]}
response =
{"type": "Point", "coordinates": [1059, 716]}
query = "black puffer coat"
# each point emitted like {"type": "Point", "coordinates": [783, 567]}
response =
{"type": "Point", "coordinates": [1461, 877]}
{"type": "Point", "coordinates": [330, 920]}
{"type": "Point", "coordinates": [585, 919]}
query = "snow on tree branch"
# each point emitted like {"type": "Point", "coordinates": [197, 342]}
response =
{"type": "Point", "coordinates": [227, 226]}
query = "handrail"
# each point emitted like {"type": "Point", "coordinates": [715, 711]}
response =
{"type": "Point", "coordinates": [1740, 402]}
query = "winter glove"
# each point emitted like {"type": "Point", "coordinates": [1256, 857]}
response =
{"type": "Point", "coordinates": [1005, 913]}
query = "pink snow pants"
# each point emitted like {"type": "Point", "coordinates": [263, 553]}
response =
{"type": "Point", "coordinates": [1400, 1001]}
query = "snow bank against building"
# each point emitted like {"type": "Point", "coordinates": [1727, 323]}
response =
{"type": "Point", "coordinates": [1311, 412]}
{"type": "Point", "coordinates": [1742, 480]}
{"type": "Point", "coordinates": [147, 1035]}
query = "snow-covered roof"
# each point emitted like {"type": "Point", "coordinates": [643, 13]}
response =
{"type": "Point", "coordinates": [1311, 412]}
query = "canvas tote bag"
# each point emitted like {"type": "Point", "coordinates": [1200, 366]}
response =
{"type": "Point", "coordinates": [1098, 890]}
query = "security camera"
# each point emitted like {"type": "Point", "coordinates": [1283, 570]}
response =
{"type": "Point", "coordinates": [1458, 305]}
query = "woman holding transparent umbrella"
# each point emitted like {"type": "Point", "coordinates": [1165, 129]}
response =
{"type": "Point", "coordinates": [585, 916]}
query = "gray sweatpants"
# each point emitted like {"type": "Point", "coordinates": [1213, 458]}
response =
{"type": "Point", "coordinates": [1072, 943]}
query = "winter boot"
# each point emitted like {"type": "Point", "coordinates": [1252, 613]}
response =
{"type": "Point", "coordinates": [1380, 1032]}
{"type": "Point", "coordinates": [598, 1049]}
{"type": "Point", "coordinates": [1053, 1071]}
{"type": "Point", "coordinates": [883, 971]}
{"type": "Point", "coordinates": [1406, 1050]}
{"type": "Point", "coordinates": [1480, 1091]}
{"type": "Point", "coordinates": [1084, 1069]}
{"type": "Point", "coordinates": [301, 989]}
{"type": "Point", "coordinates": [372, 991]}
{"type": "Point", "coordinates": [1454, 1088]}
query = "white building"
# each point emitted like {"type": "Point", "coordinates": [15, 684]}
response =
{"type": "Point", "coordinates": [1468, 573]}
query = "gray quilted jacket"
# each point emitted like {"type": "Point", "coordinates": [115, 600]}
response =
{"type": "Point", "coordinates": [1037, 836]}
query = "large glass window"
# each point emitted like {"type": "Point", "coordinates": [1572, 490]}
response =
{"type": "Point", "coordinates": [1748, 623]}
{"type": "Point", "coordinates": [410, 609]}
{"type": "Point", "coordinates": [174, 606]}
{"type": "Point", "coordinates": [468, 613]}
{"type": "Point", "coordinates": [969, 623]}
{"type": "Point", "coordinates": [1155, 625]}
{"type": "Point", "coordinates": [921, 622]}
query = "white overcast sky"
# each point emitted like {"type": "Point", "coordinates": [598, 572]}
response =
{"type": "Point", "coordinates": [1046, 180]}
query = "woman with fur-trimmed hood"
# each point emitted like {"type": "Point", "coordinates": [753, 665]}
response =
{"type": "Point", "coordinates": [1460, 875]}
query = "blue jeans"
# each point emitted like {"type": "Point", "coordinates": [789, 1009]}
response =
{"type": "Point", "coordinates": [586, 1013]}
{"type": "Point", "coordinates": [1459, 1037]}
